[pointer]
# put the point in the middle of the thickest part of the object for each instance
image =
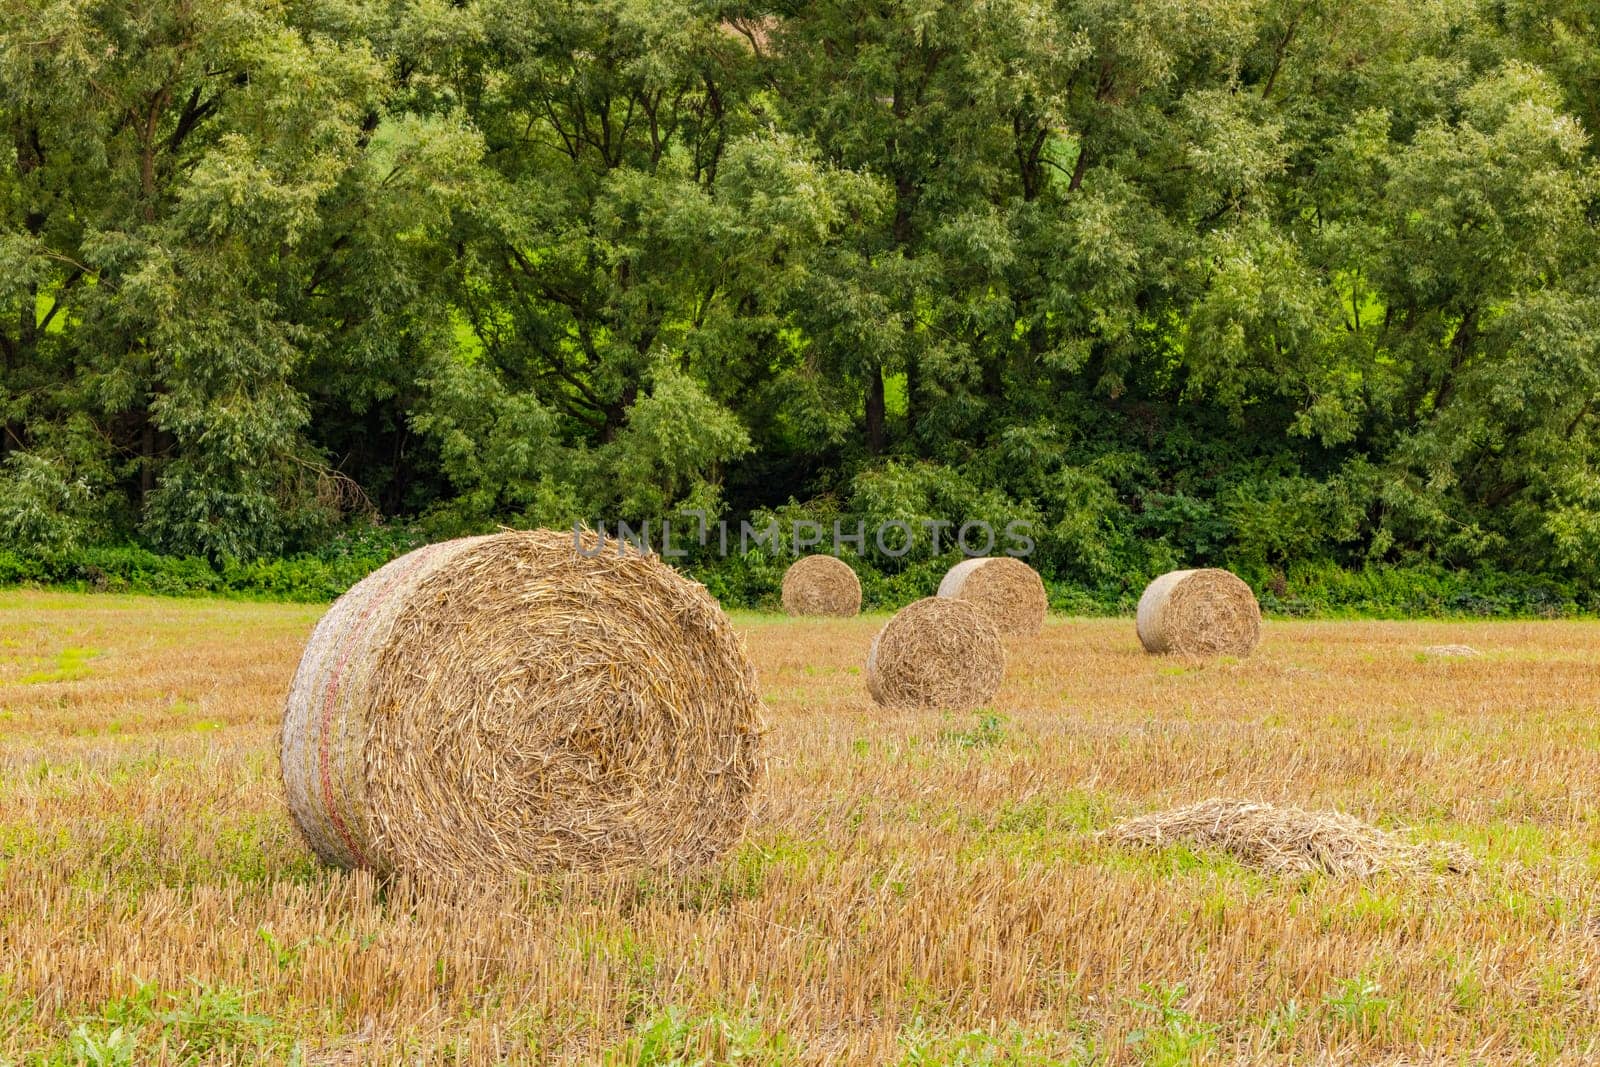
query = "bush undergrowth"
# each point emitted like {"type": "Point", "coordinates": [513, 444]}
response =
{"type": "Point", "coordinates": [1316, 589]}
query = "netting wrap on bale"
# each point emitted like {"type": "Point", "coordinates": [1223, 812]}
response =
{"type": "Point", "coordinates": [936, 653]}
{"type": "Point", "coordinates": [1206, 612]}
{"type": "Point", "coordinates": [1007, 590]}
{"type": "Point", "coordinates": [821, 585]}
{"type": "Point", "coordinates": [507, 704]}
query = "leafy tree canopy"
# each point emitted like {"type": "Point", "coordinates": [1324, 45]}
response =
{"type": "Point", "coordinates": [1244, 281]}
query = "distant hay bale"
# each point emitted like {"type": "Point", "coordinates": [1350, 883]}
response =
{"type": "Point", "coordinates": [1451, 651]}
{"type": "Point", "coordinates": [1285, 840]}
{"type": "Point", "coordinates": [1207, 612]}
{"type": "Point", "coordinates": [936, 653]}
{"type": "Point", "coordinates": [506, 704]}
{"type": "Point", "coordinates": [1007, 590]}
{"type": "Point", "coordinates": [821, 585]}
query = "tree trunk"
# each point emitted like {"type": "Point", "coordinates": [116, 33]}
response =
{"type": "Point", "coordinates": [617, 414]}
{"type": "Point", "coordinates": [913, 388]}
{"type": "Point", "coordinates": [30, 157]}
{"type": "Point", "coordinates": [28, 324]}
{"type": "Point", "coordinates": [147, 460]}
{"type": "Point", "coordinates": [994, 378]}
{"type": "Point", "coordinates": [875, 411]}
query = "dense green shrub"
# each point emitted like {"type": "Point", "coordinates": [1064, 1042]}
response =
{"type": "Point", "coordinates": [310, 578]}
{"type": "Point", "coordinates": [752, 581]}
{"type": "Point", "coordinates": [751, 578]}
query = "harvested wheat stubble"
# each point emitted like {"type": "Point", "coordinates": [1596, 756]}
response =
{"type": "Point", "coordinates": [1207, 612]}
{"type": "Point", "coordinates": [1007, 590]}
{"type": "Point", "coordinates": [821, 585]}
{"type": "Point", "coordinates": [506, 704]}
{"type": "Point", "coordinates": [1286, 840]}
{"type": "Point", "coordinates": [936, 653]}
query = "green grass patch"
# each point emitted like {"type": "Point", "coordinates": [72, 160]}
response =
{"type": "Point", "coordinates": [70, 665]}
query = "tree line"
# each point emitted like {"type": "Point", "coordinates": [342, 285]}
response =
{"type": "Point", "coordinates": [1251, 282]}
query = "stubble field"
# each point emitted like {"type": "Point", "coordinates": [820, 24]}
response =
{"type": "Point", "coordinates": [914, 888]}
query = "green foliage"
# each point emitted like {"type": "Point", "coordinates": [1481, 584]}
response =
{"type": "Point", "coordinates": [1420, 591]}
{"type": "Point", "coordinates": [1359, 1004]}
{"type": "Point", "coordinates": [751, 581]}
{"type": "Point", "coordinates": [1243, 284]}
{"type": "Point", "coordinates": [310, 578]}
{"type": "Point", "coordinates": [1173, 1035]}
{"type": "Point", "coordinates": [1013, 1046]}
{"type": "Point", "coordinates": [989, 731]}
{"type": "Point", "coordinates": [199, 1025]}
{"type": "Point", "coordinates": [675, 1038]}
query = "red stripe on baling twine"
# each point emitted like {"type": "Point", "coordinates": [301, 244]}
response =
{"type": "Point", "coordinates": [332, 694]}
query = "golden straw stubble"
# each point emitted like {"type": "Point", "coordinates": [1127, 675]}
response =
{"type": "Point", "coordinates": [507, 704]}
{"type": "Point", "coordinates": [821, 585]}
{"type": "Point", "coordinates": [1007, 590]}
{"type": "Point", "coordinates": [1206, 612]}
{"type": "Point", "coordinates": [936, 653]}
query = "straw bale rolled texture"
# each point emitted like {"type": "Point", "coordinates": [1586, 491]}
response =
{"type": "Point", "coordinates": [936, 653]}
{"type": "Point", "coordinates": [505, 704]}
{"type": "Point", "coordinates": [1286, 840]}
{"type": "Point", "coordinates": [1007, 590]}
{"type": "Point", "coordinates": [821, 585]}
{"type": "Point", "coordinates": [1205, 612]}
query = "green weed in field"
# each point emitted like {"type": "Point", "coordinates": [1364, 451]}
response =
{"type": "Point", "coordinates": [71, 665]}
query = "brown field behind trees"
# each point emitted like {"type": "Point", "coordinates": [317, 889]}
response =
{"type": "Point", "coordinates": [916, 887]}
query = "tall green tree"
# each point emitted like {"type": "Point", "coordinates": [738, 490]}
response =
{"type": "Point", "coordinates": [1247, 281]}
{"type": "Point", "coordinates": [184, 194]}
{"type": "Point", "coordinates": [624, 277]}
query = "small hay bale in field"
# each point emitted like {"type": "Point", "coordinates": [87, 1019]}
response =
{"type": "Point", "coordinates": [506, 704]}
{"type": "Point", "coordinates": [1285, 840]}
{"type": "Point", "coordinates": [1007, 590]}
{"type": "Point", "coordinates": [821, 585]}
{"type": "Point", "coordinates": [1206, 612]}
{"type": "Point", "coordinates": [936, 653]}
{"type": "Point", "coordinates": [1451, 651]}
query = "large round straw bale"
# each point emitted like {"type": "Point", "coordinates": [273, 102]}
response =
{"type": "Point", "coordinates": [821, 585]}
{"type": "Point", "coordinates": [507, 704]}
{"type": "Point", "coordinates": [1007, 590]}
{"type": "Point", "coordinates": [936, 653]}
{"type": "Point", "coordinates": [1206, 612]}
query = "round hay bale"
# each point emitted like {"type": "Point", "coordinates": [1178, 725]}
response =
{"type": "Point", "coordinates": [936, 653]}
{"type": "Point", "coordinates": [821, 585]}
{"type": "Point", "coordinates": [505, 704]}
{"type": "Point", "coordinates": [1206, 612]}
{"type": "Point", "coordinates": [1007, 590]}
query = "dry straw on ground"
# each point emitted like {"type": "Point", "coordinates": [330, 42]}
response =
{"type": "Point", "coordinates": [1205, 612]}
{"type": "Point", "coordinates": [936, 653]}
{"type": "Point", "coordinates": [507, 704]}
{"type": "Point", "coordinates": [143, 747]}
{"type": "Point", "coordinates": [1451, 651]}
{"type": "Point", "coordinates": [1285, 840]}
{"type": "Point", "coordinates": [821, 585]}
{"type": "Point", "coordinates": [1007, 590]}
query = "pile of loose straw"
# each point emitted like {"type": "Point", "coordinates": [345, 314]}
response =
{"type": "Point", "coordinates": [1285, 840]}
